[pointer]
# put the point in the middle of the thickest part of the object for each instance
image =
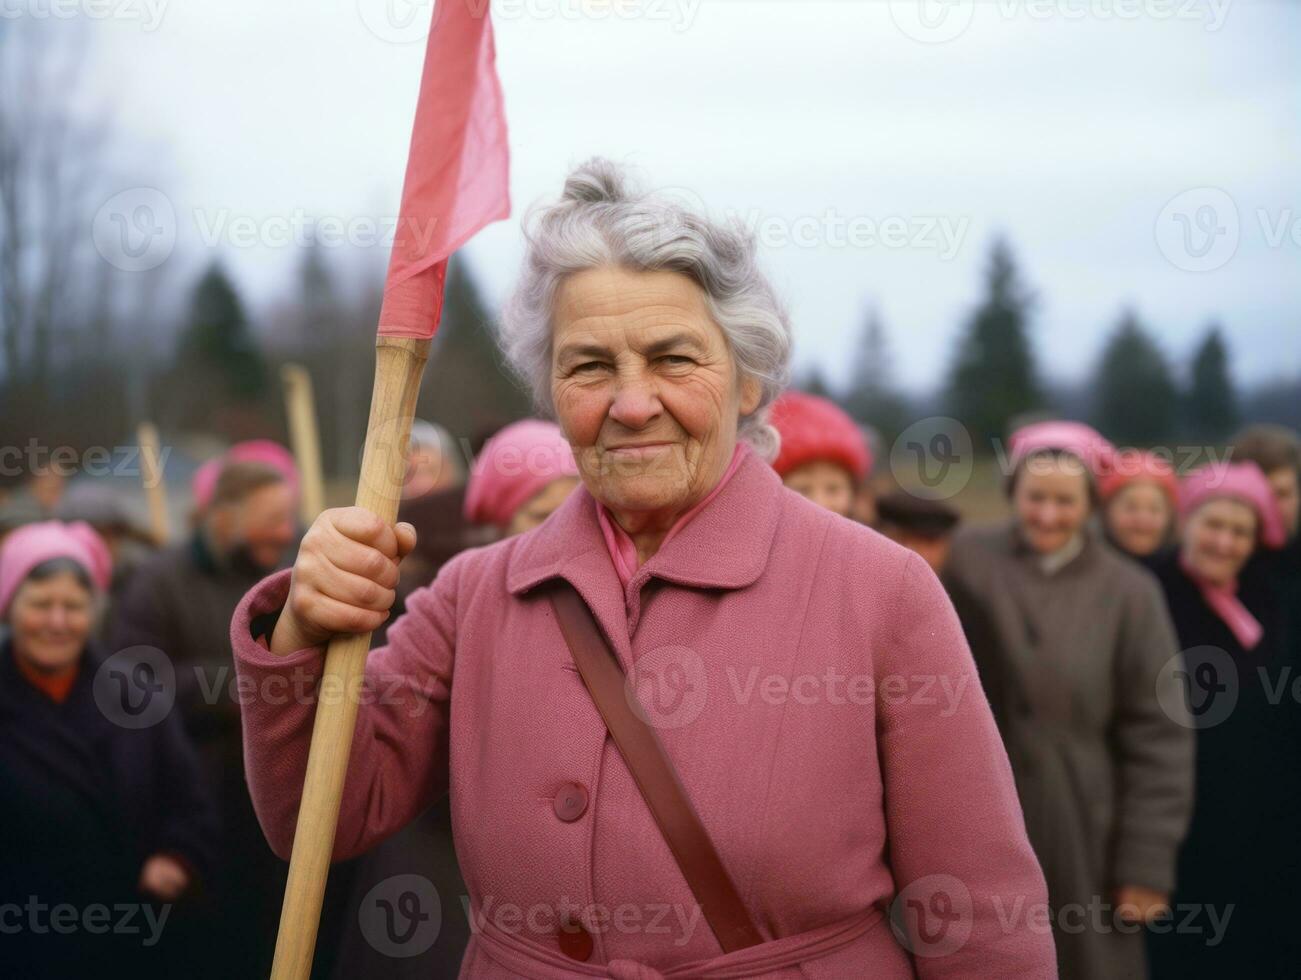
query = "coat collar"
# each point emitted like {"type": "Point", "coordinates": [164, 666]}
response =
{"type": "Point", "coordinates": [724, 546]}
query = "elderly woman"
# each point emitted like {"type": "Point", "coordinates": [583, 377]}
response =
{"type": "Point", "coordinates": [522, 475]}
{"type": "Point", "coordinates": [1071, 639]}
{"type": "Point", "coordinates": [1241, 861]}
{"type": "Point", "coordinates": [823, 455]}
{"type": "Point", "coordinates": [1139, 495]}
{"type": "Point", "coordinates": [792, 665]}
{"type": "Point", "coordinates": [103, 803]}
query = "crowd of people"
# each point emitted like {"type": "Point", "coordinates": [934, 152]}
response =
{"type": "Point", "coordinates": [1133, 630]}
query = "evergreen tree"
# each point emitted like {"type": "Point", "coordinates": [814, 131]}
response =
{"type": "Point", "coordinates": [220, 379]}
{"type": "Point", "coordinates": [467, 387]}
{"type": "Point", "coordinates": [1136, 402]}
{"type": "Point", "coordinates": [873, 398]}
{"type": "Point", "coordinates": [814, 382]}
{"type": "Point", "coordinates": [1211, 404]}
{"type": "Point", "coordinates": [993, 376]}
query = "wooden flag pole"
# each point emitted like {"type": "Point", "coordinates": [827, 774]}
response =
{"type": "Point", "coordinates": [399, 364]}
{"type": "Point", "coordinates": [300, 407]}
{"type": "Point", "coordinates": [151, 478]}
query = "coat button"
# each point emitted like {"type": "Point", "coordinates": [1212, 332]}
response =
{"type": "Point", "coordinates": [571, 802]}
{"type": "Point", "coordinates": [575, 941]}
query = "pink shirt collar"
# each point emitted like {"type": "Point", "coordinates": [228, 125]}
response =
{"type": "Point", "coordinates": [623, 553]}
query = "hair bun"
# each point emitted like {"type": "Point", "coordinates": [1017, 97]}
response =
{"type": "Point", "coordinates": [596, 181]}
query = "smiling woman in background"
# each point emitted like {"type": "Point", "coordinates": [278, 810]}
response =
{"type": "Point", "coordinates": [823, 456]}
{"type": "Point", "coordinates": [1241, 858]}
{"type": "Point", "coordinates": [1139, 494]}
{"type": "Point", "coordinates": [1070, 639]}
{"type": "Point", "coordinates": [522, 475]}
{"type": "Point", "coordinates": [97, 810]}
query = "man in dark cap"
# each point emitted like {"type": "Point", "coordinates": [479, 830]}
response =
{"type": "Point", "coordinates": [924, 526]}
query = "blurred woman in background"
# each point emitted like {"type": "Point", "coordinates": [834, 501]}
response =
{"type": "Point", "coordinates": [1237, 675]}
{"type": "Point", "coordinates": [1139, 495]}
{"type": "Point", "coordinates": [1070, 639]}
{"type": "Point", "coordinates": [823, 454]}
{"type": "Point", "coordinates": [103, 805]}
{"type": "Point", "coordinates": [523, 474]}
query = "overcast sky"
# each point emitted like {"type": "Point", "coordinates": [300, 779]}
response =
{"type": "Point", "coordinates": [1135, 152]}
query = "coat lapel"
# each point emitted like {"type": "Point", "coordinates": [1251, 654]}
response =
{"type": "Point", "coordinates": [724, 546]}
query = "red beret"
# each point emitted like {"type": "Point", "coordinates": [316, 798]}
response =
{"type": "Point", "coordinates": [814, 429]}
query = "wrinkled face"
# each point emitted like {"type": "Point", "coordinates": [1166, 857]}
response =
{"type": "Point", "coordinates": [262, 524]}
{"type": "Point", "coordinates": [541, 505]}
{"type": "Point", "coordinates": [1138, 517]}
{"type": "Point", "coordinates": [51, 620]}
{"type": "Point", "coordinates": [1051, 502]}
{"type": "Point", "coordinates": [1283, 481]}
{"type": "Point", "coordinates": [826, 484]}
{"type": "Point", "coordinates": [645, 388]}
{"type": "Point", "coordinates": [1219, 537]}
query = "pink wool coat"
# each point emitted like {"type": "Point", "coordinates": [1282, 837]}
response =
{"type": "Point", "coordinates": [813, 687]}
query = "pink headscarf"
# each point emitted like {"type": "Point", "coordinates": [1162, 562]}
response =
{"type": "Point", "coordinates": [264, 451]}
{"type": "Point", "coordinates": [1076, 438]}
{"type": "Point", "coordinates": [33, 544]}
{"type": "Point", "coordinates": [1245, 483]}
{"type": "Point", "coordinates": [514, 466]}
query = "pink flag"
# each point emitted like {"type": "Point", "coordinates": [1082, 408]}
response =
{"type": "Point", "coordinates": [457, 169]}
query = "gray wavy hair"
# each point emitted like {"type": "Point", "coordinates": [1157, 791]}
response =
{"type": "Point", "coordinates": [601, 220]}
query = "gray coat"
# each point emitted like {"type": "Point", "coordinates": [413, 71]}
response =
{"type": "Point", "coordinates": [1072, 664]}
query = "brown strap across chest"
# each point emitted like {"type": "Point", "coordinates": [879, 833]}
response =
{"type": "Point", "coordinates": [654, 774]}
